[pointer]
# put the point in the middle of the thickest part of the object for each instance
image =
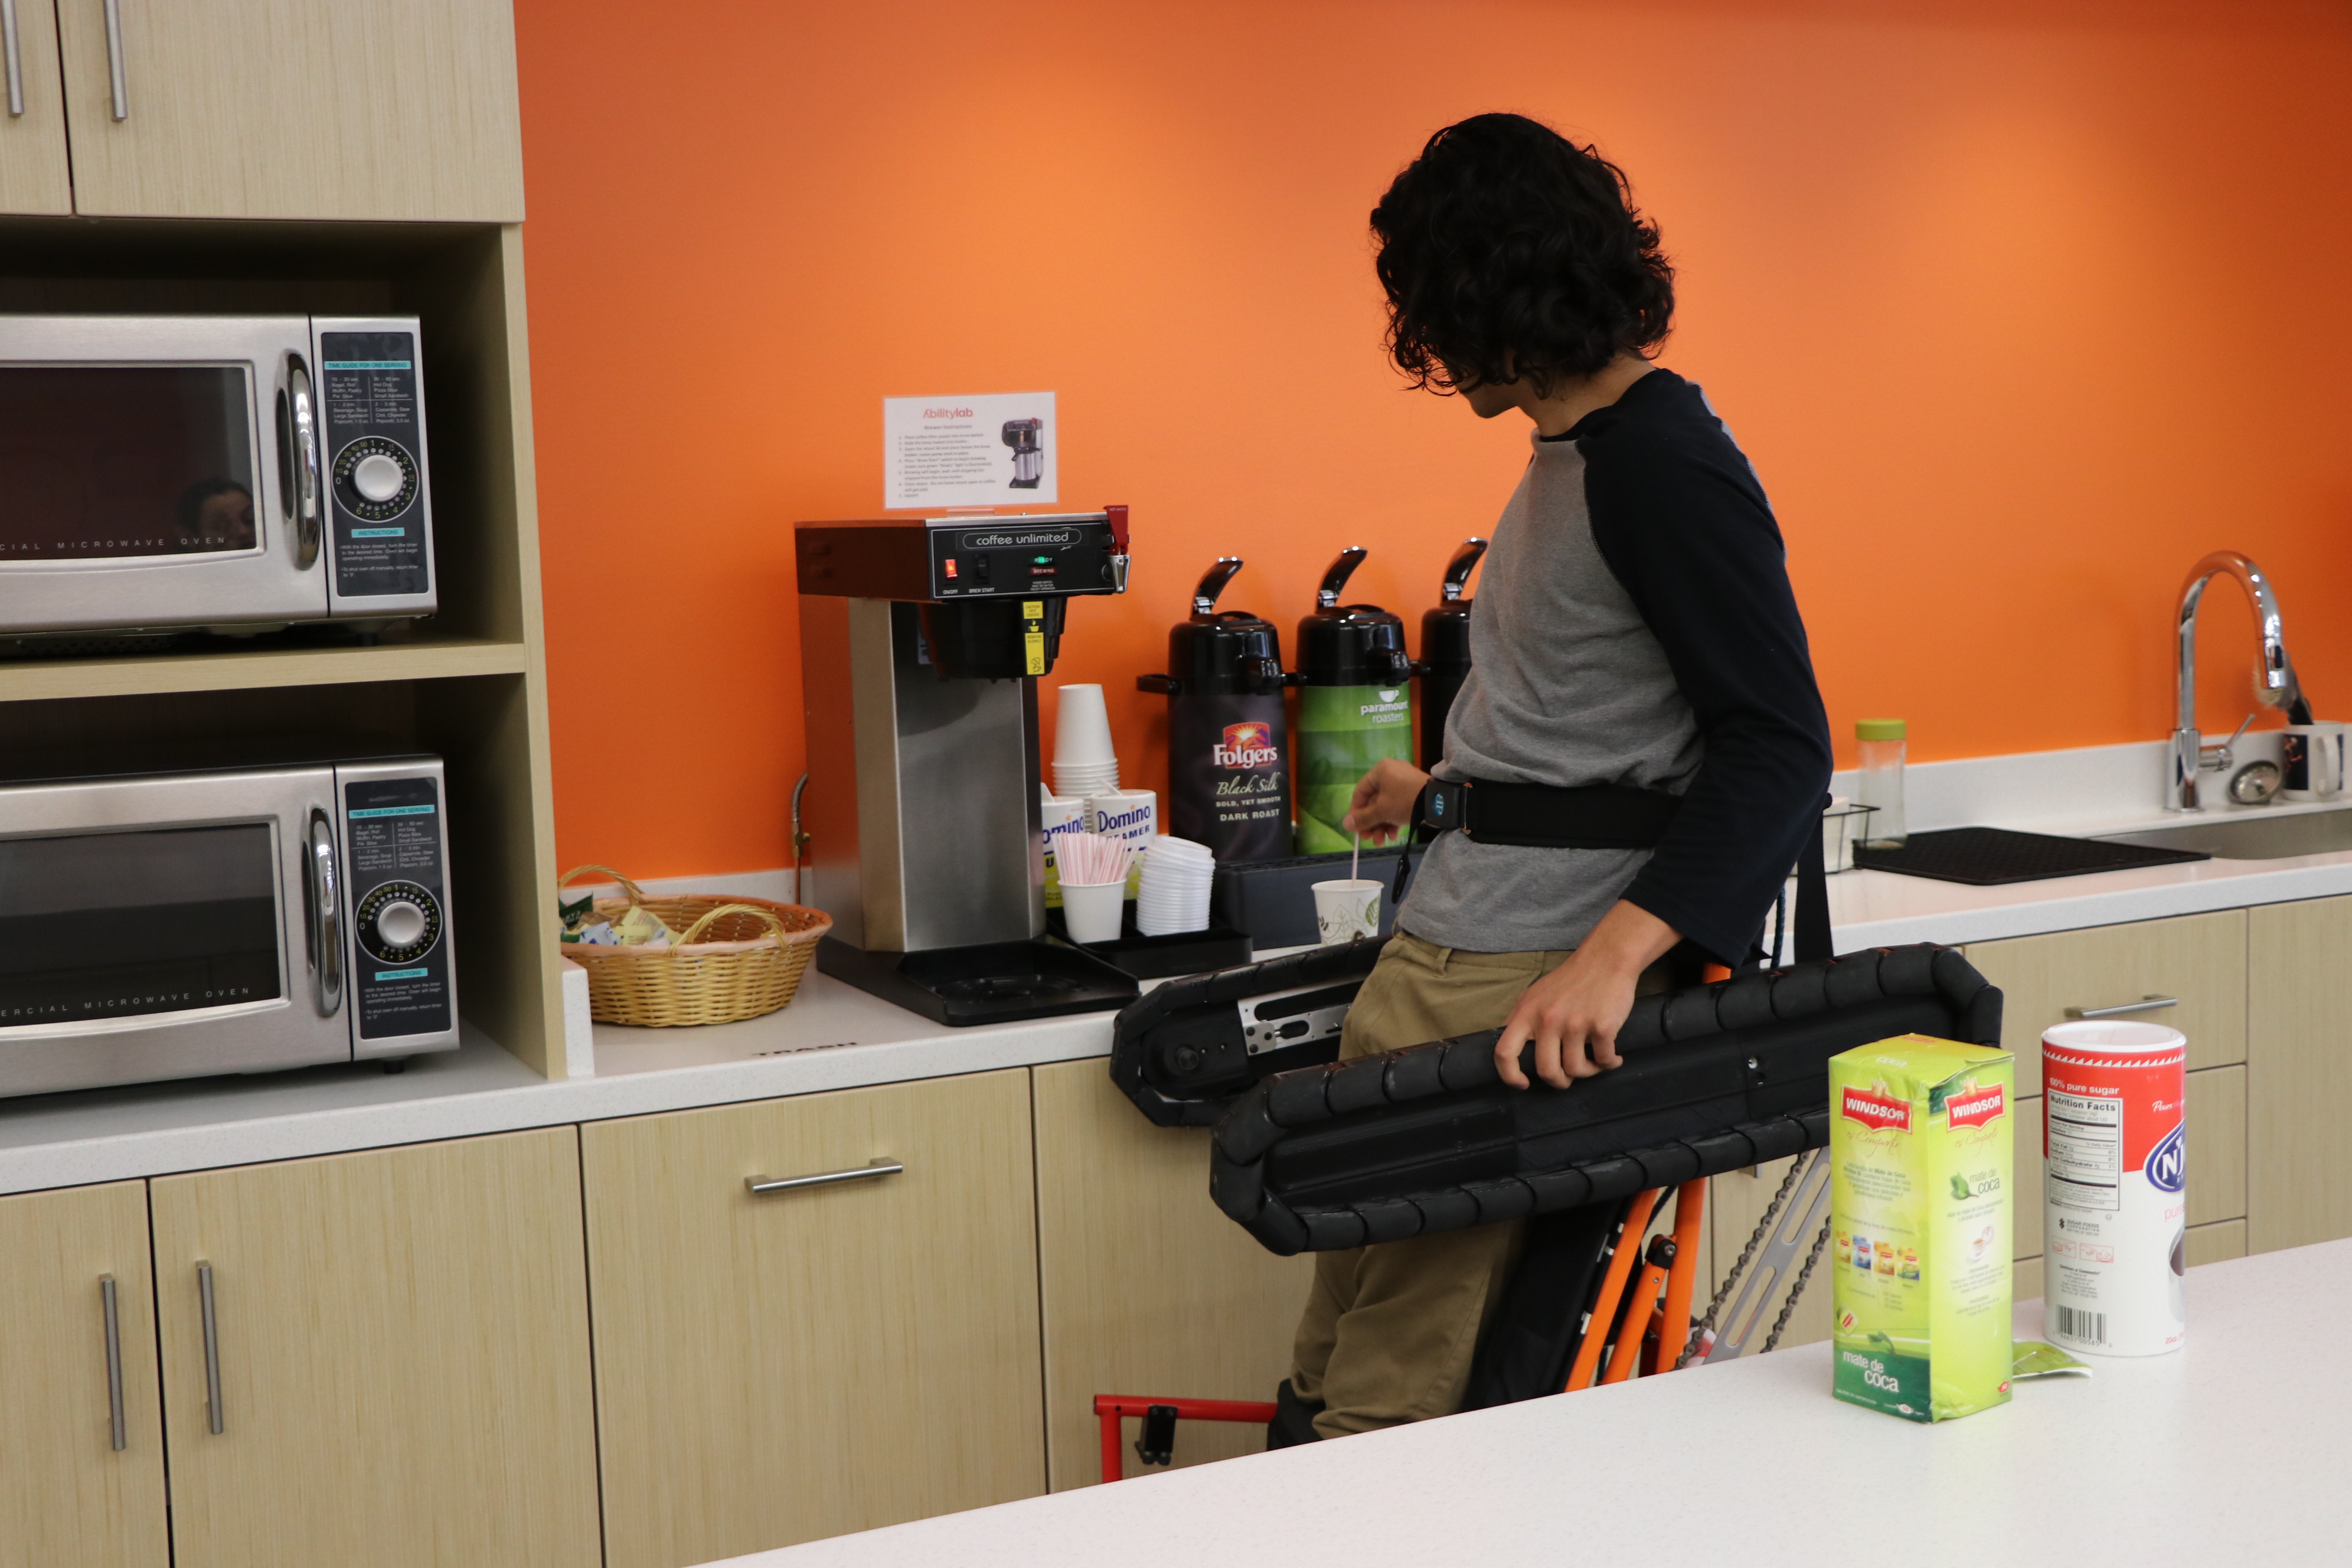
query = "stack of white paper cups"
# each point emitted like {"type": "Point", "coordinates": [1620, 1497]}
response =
{"type": "Point", "coordinates": [1084, 763]}
{"type": "Point", "coordinates": [1174, 891]}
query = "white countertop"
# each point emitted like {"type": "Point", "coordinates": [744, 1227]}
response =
{"type": "Point", "coordinates": [2229, 1451]}
{"type": "Point", "coordinates": [835, 1037]}
{"type": "Point", "coordinates": [832, 1037]}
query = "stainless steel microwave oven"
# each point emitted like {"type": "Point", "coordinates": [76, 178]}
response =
{"type": "Point", "coordinates": [171, 925]}
{"type": "Point", "coordinates": [225, 472]}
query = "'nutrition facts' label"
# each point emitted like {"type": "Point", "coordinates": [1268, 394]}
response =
{"type": "Point", "coordinates": [2087, 1150]}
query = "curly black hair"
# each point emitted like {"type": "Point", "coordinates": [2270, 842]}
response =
{"type": "Point", "coordinates": [1508, 251]}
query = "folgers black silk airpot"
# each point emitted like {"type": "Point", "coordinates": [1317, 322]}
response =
{"type": "Point", "coordinates": [1445, 650]}
{"type": "Point", "coordinates": [1355, 703]}
{"type": "Point", "coordinates": [1228, 765]}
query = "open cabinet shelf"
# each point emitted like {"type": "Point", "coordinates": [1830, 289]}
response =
{"type": "Point", "coordinates": [132, 675]}
{"type": "Point", "coordinates": [467, 683]}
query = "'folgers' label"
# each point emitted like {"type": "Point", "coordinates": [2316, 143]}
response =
{"type": "Point", "coordinates": [1229, 775]}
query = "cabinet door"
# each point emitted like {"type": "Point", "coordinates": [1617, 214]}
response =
{"type": "Point", "coordinates": [774, 1368]}
{"type": "Point", "coordinates": [401, 1340]}
{"type": "Point", "coordinates": [33, 176]}
{"type": "Point", "coordinates": [1148, 1287]}
{"type": "Point", "coordinates": [68, 1497]}
{"type": "Point", "coordinates": [292, 109]}
{"type": "Point", "coordinates": [2198, 959]}
{"type": "Point", "coordinates": [2298, 1074]}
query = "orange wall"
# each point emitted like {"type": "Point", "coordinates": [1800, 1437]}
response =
{"type": "Point", "coordinates": [2018, 308]}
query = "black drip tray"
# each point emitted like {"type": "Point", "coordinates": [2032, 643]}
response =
{"type": "Point", "coordinates": [1990, 856]}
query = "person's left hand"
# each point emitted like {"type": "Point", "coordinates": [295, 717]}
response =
{"type": "Point", "coordinates": [1573, 1013]}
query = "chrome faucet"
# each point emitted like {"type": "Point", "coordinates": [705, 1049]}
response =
{"type": "Point", "coordinates": [2277, 687]}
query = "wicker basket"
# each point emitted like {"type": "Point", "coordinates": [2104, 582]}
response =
{"type": "Point", "coordinates": [733, 959]}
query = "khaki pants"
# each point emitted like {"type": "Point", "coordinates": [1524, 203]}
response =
{"type": "Point", "coordinates": [1390, 1330]}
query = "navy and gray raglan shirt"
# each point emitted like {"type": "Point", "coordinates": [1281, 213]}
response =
{"type": "Point", "coordinates": [1633, 625]}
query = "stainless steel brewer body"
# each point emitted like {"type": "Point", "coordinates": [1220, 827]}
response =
{"type": "Point", "coordinates": [922, 806]}
{"type": "Point", "coordinates": [921, 643]}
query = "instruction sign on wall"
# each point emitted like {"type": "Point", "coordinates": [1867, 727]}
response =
{"type": "Point", "coordinates": [998, 448]}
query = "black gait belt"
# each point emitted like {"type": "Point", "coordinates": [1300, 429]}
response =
{"type": "Point", "coordinates": [1716, 1078]}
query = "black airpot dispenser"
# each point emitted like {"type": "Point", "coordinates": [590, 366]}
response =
{"type": "Point", "coordinates": [1228, 757]}
{"type": "Point", "coordinates": [1445, 650]}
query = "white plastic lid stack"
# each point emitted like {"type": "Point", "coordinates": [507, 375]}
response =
{"type": "Point", "coordinates": [1178, 876]}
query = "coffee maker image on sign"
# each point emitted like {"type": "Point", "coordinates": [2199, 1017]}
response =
{"type": "Point", "coordinates": [921, 643]}
{"type": "Point", "coordinates": [1027, 438]}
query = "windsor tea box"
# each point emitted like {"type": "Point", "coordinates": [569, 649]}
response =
{"type": "Point", "coordinates": [1922, 1155]}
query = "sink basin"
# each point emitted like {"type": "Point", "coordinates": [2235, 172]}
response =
{"type": "Point", "coordinates": [2253, 837]}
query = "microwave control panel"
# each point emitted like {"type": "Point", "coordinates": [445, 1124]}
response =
{"type": "Point", "coordinates": [371, 418]}
{"type": "Point", "coordinates": [395, 853]}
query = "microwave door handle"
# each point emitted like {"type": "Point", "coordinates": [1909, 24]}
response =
{"type": "Point", "coordinates": [326, 911]}
{"type": "Point", "coordinates": [300, 433]}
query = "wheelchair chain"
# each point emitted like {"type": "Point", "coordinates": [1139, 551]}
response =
{"type": "Point", "coordinates": [1798, 1290]}
{"type": "Point", "coordinates": [1705, 1325]}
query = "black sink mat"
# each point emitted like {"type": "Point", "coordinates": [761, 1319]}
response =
{"type": "Point", "coordinates": [1990, 857]}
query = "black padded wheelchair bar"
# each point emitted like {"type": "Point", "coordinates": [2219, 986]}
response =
{"type": "Point", "coordinates": [1716, 1078]}
{"type": "Point", "coordinates": [1177, 1051]}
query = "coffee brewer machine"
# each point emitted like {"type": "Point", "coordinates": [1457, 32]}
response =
{"type": "Point", "coordinates": [1025, 438]}
{"type": "Point", "coordinates": [921, 642]}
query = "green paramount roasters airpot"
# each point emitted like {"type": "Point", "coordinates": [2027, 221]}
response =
{"type": "Point", "coordinates": [1445, 650]}
{"type": "Point", "coordinates": [1355, 703]}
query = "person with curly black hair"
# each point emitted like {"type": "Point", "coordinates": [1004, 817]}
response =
{"type": "Point", "coordinates": [1640, 748]}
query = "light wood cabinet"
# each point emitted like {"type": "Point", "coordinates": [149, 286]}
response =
{"type": "Point", "coordinates": [402, 1341]}
{"type": "Point", "coordinates": [2299, 1074]}
{"type": "Point", "coordinates": [771, 1369]}
{"type": "Point", "coordinates": [257, 109]}
{"type": "Point", "coordinates": [68, 1498]}
{"type": "Point", "coordinates": [34, 175]}
{"type": "Point", "coordinates": [2199, 959]}
{"type": "Point", "coordinates": [1146, 1287]}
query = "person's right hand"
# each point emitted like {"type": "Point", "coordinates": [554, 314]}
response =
{"type": "Point", "coordinates": [1384, 800]}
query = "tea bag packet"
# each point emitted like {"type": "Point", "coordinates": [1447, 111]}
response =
{"type": "Point", "coordinates": [577, 914]}
{"type": "Point", "coordinates": [640, 927]}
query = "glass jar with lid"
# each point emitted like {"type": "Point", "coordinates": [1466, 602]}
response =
{"type": "Point", "coordinates": [1879, 784]}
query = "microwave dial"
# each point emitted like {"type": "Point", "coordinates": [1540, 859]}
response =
{"type": "Point", "coordinates": [399, 922]}
{"type": "Point", "coordinates": [375, 479]}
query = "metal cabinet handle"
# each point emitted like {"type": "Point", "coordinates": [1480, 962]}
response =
{"type": "Point", "coordinates": [2146, 1004]}
{"type": "Point", "coordinates": [113, 1360]}
{"type": "Point", "coordinates": [118, 76]}
{"type": "Point", "coordinates": [299, 436]}
{"type": "Point", "coordinates": [15, 60]}
{"type": "Point", "coordinates": [866, 1172]}
{"type": "Point", "coordinates": [322, 899]}
{"type": "Point", "coordinates": [212, 1351]}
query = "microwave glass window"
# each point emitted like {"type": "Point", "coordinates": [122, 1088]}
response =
{"type": "Point", "coordinates": [117, 925]}
{"type": "Point", "coordinates": [100, 461]}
